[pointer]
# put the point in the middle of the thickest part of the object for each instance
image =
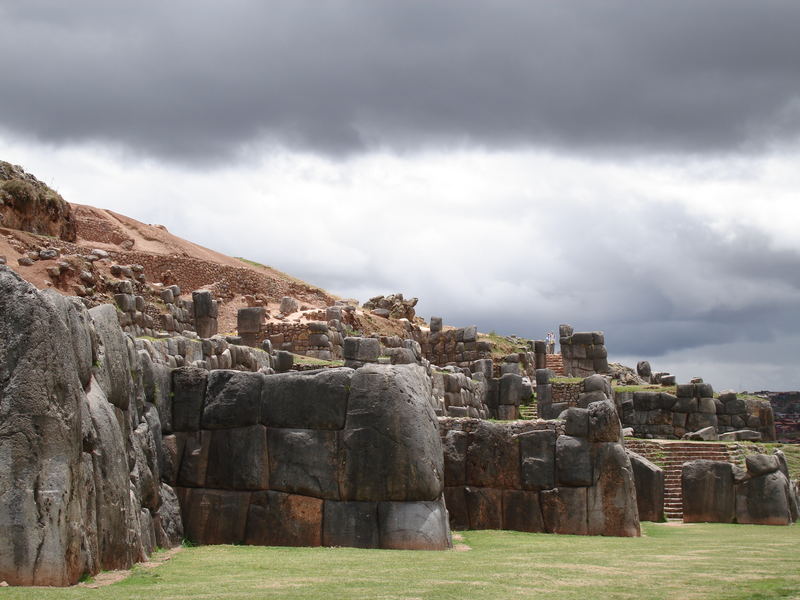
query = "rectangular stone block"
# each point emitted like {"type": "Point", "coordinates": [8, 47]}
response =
{"type": "Point", "coordinates": [189, 388]}
{"type": "Point", "coordinates": [573, 462]}
{"type": "Point", "coordinates": [457, 507]}
{"type": "Point", "coordinates": [194, 464]}
{"type": "Point", "coordinates": [522, 511]}
{"type": "Point", "coordinates": [564, 510]}
{"type": "Point", "coordinates": [485, 507]}
{"type": "Point", "coordinates": [215, 516]}
{"type": "Point", "coordinates": [304, 461]}
{"type": "Point", "coordinates": [350, 524]}
{"type": "Point", "coordinates": [238, 460]}
{"type": "Point", "coordinates": [537, 457]}
{"type": "Point", "coordinates": [279, 519]}
{"type": "Point", "coordinates": [310, 400]}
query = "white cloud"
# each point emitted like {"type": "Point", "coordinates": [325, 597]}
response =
{"type": "Point", "coordinates": [672, 259]}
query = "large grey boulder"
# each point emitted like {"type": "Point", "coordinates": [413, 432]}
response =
{"type": "Point", "coordinates": [493, 458]}
{"type": "Point", "coordinates": [189, 390]}
{"type": "Point", "coordinates": [764, 500]}
{"type": "Point", "coordinates": [537, 459]}
{"type": "Point", "coordinates": [454, 446]}
{"type": "Point", "coordinates": [215, 516]}
{"type": "Point", "coordinates": [233, 399]}
{"type": "Point", "coordinates": [611, 501]}
{"type": "Point", "coordinates": [522, 511]}
{"type": "Point", "coordinates": [279, 519]}
{"type": "Point", "coordinates": [113, 370]}
{"type": "Point", "coordinates": [350, 524]}
{"type": "Point", "coordinates": [484, 507]}
{"type": "Point", "coordinates": [708, 493]}
{"type": "Point", "coordinates": [40, 432]}
{"type": "Point", "coordinates": [111, 479]}
{"type": "Point", "coordinates": [573, 462]}
{"type": "Point", "coordinates": [81, 332]}
{"type": "Point", "coordinates": [308, 400]}
{"type": "Point", "coordinates": [564, 510]}
{"type": "Point", "coordinates": [304, 461]}
{"type": "Point", "coordinates": [391, 446]}
{"type": "Point", "coordinates": [157, 386]}
{"type": "Point", "coordinates": [167, 520]}
{"type": "Point", "coordinates": [604, 424]}
{"type": "Point", "coordinates": [238, 459]}
{"type": "Point", "coordinates": [414, 526]}
{"type": "Point", "coordinates": [649, 481]}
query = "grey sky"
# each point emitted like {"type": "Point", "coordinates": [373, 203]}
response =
{"type": "Point", "coordinates": [196, 81]}
{"type": "Point", "coordinates": [619, 165]}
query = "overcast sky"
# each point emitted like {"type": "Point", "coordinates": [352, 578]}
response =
{"type": "Point", "coordinates": [625, 166]}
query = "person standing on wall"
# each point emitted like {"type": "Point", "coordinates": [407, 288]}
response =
{"type": "Point", "coordinates": [551, 343]}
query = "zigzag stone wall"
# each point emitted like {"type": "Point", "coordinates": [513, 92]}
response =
{"type": "Point", "coordinates": [335, 457]}
{"type": "Point", "coordinates": [570, 477]}
{"type": "Point", "coordinates": [80, 439]}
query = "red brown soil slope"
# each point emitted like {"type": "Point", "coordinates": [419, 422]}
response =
{"type": "Point", "coordinates": [77, 229]}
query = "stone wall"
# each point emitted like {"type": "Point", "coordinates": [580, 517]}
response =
{"type": "Point", "coordinates": [80, 445]}
{"type": "Point", "coordinates": [566, 393]}
{"type": "Point", "coordinates": [180, 315]}
{"type": "Point", "coordinates": [318, 339]}
{"type": "Point", "coordinates": [720, 492]}
{"type": "Point", "coordinates": [216, 352]}
{"type": "Point", "coordinates": [584, 353]}
{"type": "Point", "coordinates": [133, 310]}
{"type": "Point", "coordinates": [458, 347]}
{"type": "Point", "coordinates": [572, 477]}
{"type": "Point", "coordinates": [693, 408]}
{"type": "Point", "coordinates": [333, 457]}
{"type": "Point", "coordinates": [460, 396]}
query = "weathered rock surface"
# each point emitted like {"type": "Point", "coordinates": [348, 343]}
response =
{"type": "Point", "coordinates": [708, 494]}
{"type": "Point", "coordinates": [391, 446]}
{"type": "Point", "coordinates": [649, 481]}
{"type": "Point", "coordinates": [40, 447]}
{"type": "Point", "coordinates": [80, 444]}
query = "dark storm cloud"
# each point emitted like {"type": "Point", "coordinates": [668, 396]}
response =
{"type": "Point", "coordinates": [193, 80]}
{"type": "Point", "coordinates": [655, 278]}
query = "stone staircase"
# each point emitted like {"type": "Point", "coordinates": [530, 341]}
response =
{"type": "Point", "coordinates": [528, 411]}
{"type": "Point", "coordinates": [670, 456]}
{"type": "Point", "coordinates": [555, 363]}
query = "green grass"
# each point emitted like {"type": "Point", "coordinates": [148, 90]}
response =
{"type": "Point", "coordinates": [566, 379]}
{"type": "Point", "coordinates": [791, 451]}
{"type": "Point", "coordinates": [503, 346]}
{"type": "Point", "coordinates": [715, 561]}
{"type": "Point", "coordinates": [252, 262]}
{"type": "Point", "coordinates": [300, 359]}
{"type": "Point", "coordinates": [653, 387]}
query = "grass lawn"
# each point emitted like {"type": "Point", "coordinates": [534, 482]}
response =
{"type": "Point", "coordinates": [670, 561]}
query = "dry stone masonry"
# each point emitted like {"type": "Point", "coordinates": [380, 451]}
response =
{"type": "Point", "coordinates": [693, 408]}
{"type": "Point", "coordinates": [80, 479]}
{"type": "Point", "coordinates": [720, 492]}
{"type": "Point", "coordinates": [303, 459]}
{"type": "Point", "coordinates": [584, 353]}
{"type": "Point", "coordinates": [570, 478]}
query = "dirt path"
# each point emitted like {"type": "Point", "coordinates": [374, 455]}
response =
{"type": "Point", "coordinates": [105, 578]}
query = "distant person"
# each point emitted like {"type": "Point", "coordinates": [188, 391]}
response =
{"type": "Point", "coordinates": [550, 343]}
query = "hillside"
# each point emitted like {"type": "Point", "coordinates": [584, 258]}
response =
{"type": "Point", "coordinates": [34, 217]}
